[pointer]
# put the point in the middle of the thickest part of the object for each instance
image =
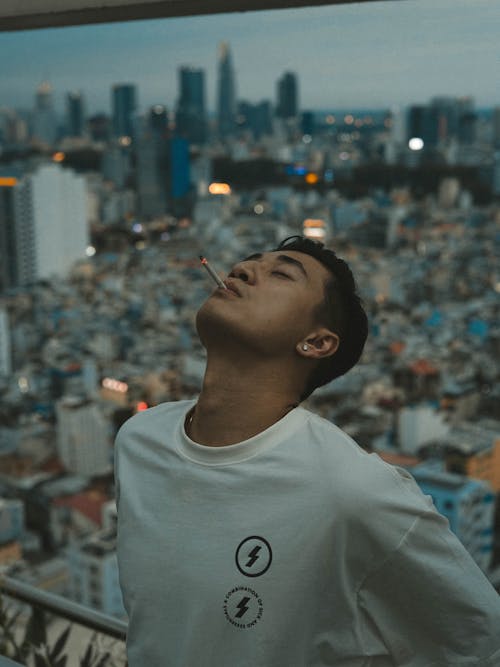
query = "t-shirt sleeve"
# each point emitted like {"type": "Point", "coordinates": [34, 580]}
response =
{"type": "Point", "coordinates": [430, 603]}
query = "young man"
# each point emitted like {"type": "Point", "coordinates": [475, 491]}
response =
{"type": "Point", "coordinates": [252, 532]}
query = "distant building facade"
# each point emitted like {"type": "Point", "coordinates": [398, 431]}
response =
{"type": "Point", "coordinates": [191, 122]}
{"type": "Point", "coordinates": [124, 104]}
{"type": "Point", "coordinates": [226, 93]}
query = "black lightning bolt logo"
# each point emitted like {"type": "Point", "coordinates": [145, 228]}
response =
{"type": "Point", "coordinates": [242, 606]}
{"type": "Point", "coordinates": [253, 556]}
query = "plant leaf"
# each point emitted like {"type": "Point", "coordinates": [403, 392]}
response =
{"type": "Point", "coordinates": [86, 660]}
{"type": "Point", "coordinates": [102, 661]}
{"type": "Point", "coordinates": [59, 645]}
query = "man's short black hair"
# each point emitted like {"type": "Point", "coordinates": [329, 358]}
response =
{"type": "Point", "coordinates": [341, 311]}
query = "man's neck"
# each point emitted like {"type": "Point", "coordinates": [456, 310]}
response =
{"type": "Point", "coordinates": [238, 403]}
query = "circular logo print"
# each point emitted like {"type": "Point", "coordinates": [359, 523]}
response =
{"type": "Point", "coordinates": [253, 556]}
{"type": "Point", "coordinates": [242, 607]}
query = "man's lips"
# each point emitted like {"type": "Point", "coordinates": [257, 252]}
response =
{"type": "Point", "coordinates": [232, 287]}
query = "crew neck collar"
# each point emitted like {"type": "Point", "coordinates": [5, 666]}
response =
{"type": "Point", "coordinates": [240, 451]}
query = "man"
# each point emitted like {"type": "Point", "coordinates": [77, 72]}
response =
{"type": "Point", "coordinates": [252, 532]}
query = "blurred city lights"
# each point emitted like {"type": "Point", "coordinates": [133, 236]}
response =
{"type": "Point", "coordinates": [90, 251]}
{"type": "Point", "coordinates": [314, 229]}
{"type": "Point", "coordinates": [415, 144]}
{"type": "Point", "coordinates": [59, 156]}
{"type": "Point", "coordinates": [137, 227]}
{"type": "Point", "coordinates": [330, 120]}
{"type": "Point", "coordinates": [258, 208]}
{"type": "Point", "coordinates": [23, 385]}
{"type": "Point", "coordinates": [115, 385]}
{"type": "Point", "coordinates": [349, 119]}
{"type": "Point", "coordinates": [219, 189]}
{"type": "Point", "coordinates": [307, 138]}
{"type": "Point", "coordinates": [142, 405]}
{"type": "Point", "coordinates": [311, 178]}
{"type": "Point", "coordinates": [344, 156]}
{"type": "Point", "coordinates": [7, 182]}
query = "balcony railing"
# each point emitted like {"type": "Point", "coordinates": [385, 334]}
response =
{"type": "Point", "coordinates": [59, 606]}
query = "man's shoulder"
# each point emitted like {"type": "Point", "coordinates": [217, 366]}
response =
{"type": "Point", "coordinates": [159, 418]}
{"type": "Point", "coordinates": [364, 470]}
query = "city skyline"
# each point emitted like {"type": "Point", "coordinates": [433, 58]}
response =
{"type": "Point", "coordinates": [375, 55]}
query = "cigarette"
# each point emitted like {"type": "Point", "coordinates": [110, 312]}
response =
{"type": "Point", "coordinates": [211, 272]}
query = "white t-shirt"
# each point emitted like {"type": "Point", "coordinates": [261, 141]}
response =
{"type": "Point", "coordinates": [294, 548]}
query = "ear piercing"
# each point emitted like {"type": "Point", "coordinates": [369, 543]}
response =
{"type": "Point", "coordinates": [305, 347]}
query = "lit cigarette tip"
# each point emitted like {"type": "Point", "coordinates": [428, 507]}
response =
{"type": "Point", "coordinates": [211, 272]}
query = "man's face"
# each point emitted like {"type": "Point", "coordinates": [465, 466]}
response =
{"type": "Point", "coordinates": [270, 303]}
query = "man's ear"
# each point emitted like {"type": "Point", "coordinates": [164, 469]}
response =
{"type": "Point", "coordinates": [319, 344]}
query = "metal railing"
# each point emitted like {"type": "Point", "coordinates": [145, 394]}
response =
{"type": "Point", "coordinates": [55, 604]}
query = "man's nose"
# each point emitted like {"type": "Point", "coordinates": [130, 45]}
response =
{"type": "Point", "coordinates": [243, 271]}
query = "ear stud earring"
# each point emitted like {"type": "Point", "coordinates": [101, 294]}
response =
{"type": "Point", "coordinates": [304, 347]}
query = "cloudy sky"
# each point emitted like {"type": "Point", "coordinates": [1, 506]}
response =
{"type": "Point", "coordinates": [376, 54]}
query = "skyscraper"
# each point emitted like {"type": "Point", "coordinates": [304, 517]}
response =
{"type": "Point", "coordinates": [191, 121]}
{"type": "Point", "coordinates": [46, 217]}
{"type": "Point", "coordinates": [124, 104]}
{"type": "Point", "coordinates": [152, 174]}
{"type": "Point", "coordinates": [226, 94]}
{"type": "Point", "coordinates": [8, 241]}
{"type": "Point", "coordinates": [44, 116]}
{"type": "Point", "coordinates": [75, 114]}
{"type": "Point", "coordinates": [423, 123]}
{"type": "Point", "coordinates": [288, 105]}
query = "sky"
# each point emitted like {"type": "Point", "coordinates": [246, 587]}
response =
{"type": "Point", "coordinates": [365, 55]}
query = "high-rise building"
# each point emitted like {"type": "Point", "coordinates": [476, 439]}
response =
{"type": "Point", "coordinates": [467, 120]}
{"type": "Point", "coordinates": [448, 113]}
{"type": "Point", "coordinates": [45, 214]}
{"type": "Point", "coordinates": [8, 241]}
{"type": "Point", "coordinates": [287, 106]}
{"type": "Point", "coordinates": [308, 125]}
{"type": "Point", "coordinates": [44, 116]}
{"type": "Point", "coordinates": [423, 123]}
{"type": "Point", "coordinates": [82, 436]}
{"type": "Point", "coordinates": [191, 120]}
{"type": "Point", "coordinates": [152, 175]}
{"type": "Point", "coordinates": [226, 97]}
{"type": "Point", "coordinates": [124, 104]}
{"type": "Point", "coordinates": [179, 182]}
{"type": "Point", "coordinates": [75, 114]}
{"type": "Point", "coordinates": [5, 349]}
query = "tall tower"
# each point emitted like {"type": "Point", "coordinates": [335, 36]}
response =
{"type": "Point", "coordinates": [75, 111]}
{"type": "Point", "coordinates": [124, 102]}
{"type": "Point", "coordinates": [287, 106]}
{"type": "Point", "coordinates": [44, 116]}
{"type": "Point", "coordinates": [190, 116]}
{"type": "Point", "coordinates": [226, 99]}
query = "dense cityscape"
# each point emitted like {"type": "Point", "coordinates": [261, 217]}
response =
{"type": "Point", "coordinates": [102, 220]}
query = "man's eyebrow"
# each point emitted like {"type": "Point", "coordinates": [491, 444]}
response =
{"type": "Point", "coordinates": [283, 258]}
